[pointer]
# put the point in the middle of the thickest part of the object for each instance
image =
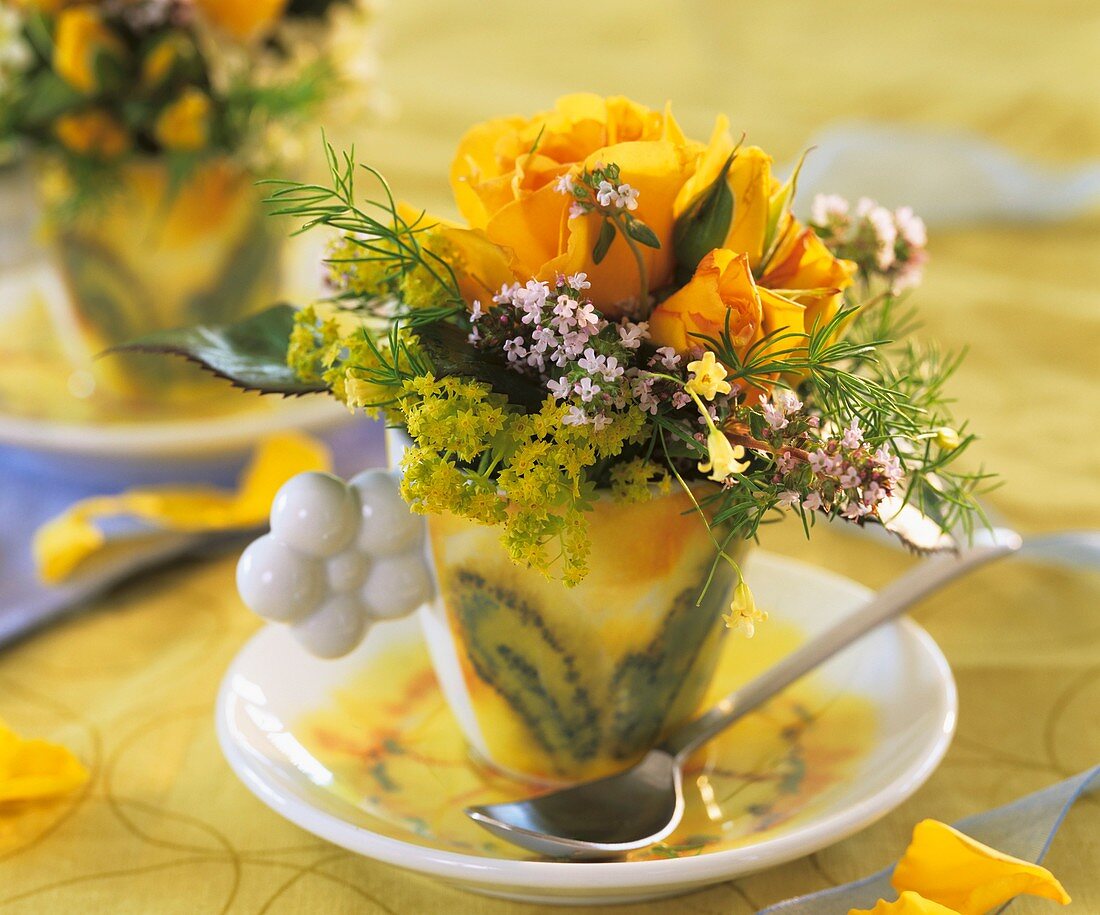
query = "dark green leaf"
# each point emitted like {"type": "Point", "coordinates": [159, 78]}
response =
{"type": "Point", "coordinates": [642, 233]}
{"type": "Point", "coordinates": [251, 353]}
{"type": "Point", "coordinates": [703, 226]}
{"type": "Point", "coordinates": [447, 348]}
{"type": "Point", "coordinates": [607, 236]}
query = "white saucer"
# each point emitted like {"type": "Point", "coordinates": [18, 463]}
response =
{"type": "Point", "coordinates": [363, 752]}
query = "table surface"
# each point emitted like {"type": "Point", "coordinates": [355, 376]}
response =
{"type": "Point", "coordinates": [164, 827]}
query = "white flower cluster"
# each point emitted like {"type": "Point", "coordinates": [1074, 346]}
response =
{"type": "Point", "coordinates": [340, 557]}
{"type": "Point", "coordinates": [890, 243]}
{"type": "Point", "coordinates": [555, 334]}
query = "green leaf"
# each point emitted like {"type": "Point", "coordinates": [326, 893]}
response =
{"type": "Point", "coordinates": [642, 233]}
{"type": "Point", "coordinates": [250, 354]}
{"type": "Point", "coordinates": [703, 226]}
{"type": "Point", "coordinates": [607, 236]}
{"type": "Point", "coordinates": [447, 349]}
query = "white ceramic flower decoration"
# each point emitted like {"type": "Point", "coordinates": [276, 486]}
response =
{"type": "Point", "coordinates": [340, 557]}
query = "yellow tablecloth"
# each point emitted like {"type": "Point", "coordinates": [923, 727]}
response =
{"type": "Point", "coordinates": [163, 825]}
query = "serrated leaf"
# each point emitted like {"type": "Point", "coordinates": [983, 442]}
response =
{"type": "Point", "coordinates": [642, 233]}
{"type": "Point", "coordinates": [250, 354]}
{"type": "Point", "coordinates": [703, 226]}
{"type": "Point", "coordinates": [447, 349]}
{"type": "Point", "coordinates": [603, 243]}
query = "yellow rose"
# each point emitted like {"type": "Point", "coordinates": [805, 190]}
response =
{"type": "Point", "coordinates": [722, 288]}
{"type": "Point", "coordinates": [244, 20]}
{"type": "Point", "coordinates": [80, 40]}
{"type": "Point", "coordinates": [92, 133]}
{"type": "Point", "coordinates": [782, 254]}
{"type": "Point", "coordinates": [184, 125]}
{"type": "Point", "coordinates": [505, 177]}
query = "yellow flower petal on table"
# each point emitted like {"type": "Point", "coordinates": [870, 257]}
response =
{"type": "Point", "coordinates": [35, 769]}
{"type": "Point", "coordinates": [949, 867]}
{"type": "Point", "coordinates": [908, 903]}
{"type": "Point", "coordinates": [63, 543]}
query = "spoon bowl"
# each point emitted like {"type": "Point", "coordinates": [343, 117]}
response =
{"type": "Point", "coordinates": [595, 820]}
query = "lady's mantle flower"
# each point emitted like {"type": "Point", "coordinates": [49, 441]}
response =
{"type": "Point", "coordinates": [709, 377]}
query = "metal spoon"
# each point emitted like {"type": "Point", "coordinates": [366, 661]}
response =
{"type": "Point", "coordinates": [620, 813]}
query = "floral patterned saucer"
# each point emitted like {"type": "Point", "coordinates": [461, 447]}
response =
{"type": "Point", "coordinates": [364, 752]}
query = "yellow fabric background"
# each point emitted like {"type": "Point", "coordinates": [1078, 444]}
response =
{"type": "Point", "coordinates": [163, 825]}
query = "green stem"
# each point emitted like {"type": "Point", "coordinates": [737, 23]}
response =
{"type": "Point", "coordinates": [639, 259]}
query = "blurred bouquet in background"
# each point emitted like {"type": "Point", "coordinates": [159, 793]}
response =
{"type": "Point", "coordinates": [147, 122]}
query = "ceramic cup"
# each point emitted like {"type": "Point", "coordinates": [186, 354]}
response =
{"type": "Point", "coordinates": [548, 683]}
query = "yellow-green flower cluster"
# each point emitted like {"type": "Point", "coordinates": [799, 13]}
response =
{"type": "Point", "coordinates": [476, 456]}
{"type": "Point", "coordinates": [632, 481]}
{"type": "Point", "coordinates": [359, 370]}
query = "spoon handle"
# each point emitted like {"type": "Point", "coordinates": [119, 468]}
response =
{"type": "Point", "coordinates": [891, 601]}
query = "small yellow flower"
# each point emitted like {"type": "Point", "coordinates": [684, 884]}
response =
{"type": "Point", "coordinates": [81, 38]}
{"type": "Point", "coordinates": [92, 133]}
{"type": "Point", "coordinates": [185, 124]}
{"type": "Point", "coordinates": [710, 377]}
{"type": "Point", "coordinates": [724, 458]}
{"type": "Point", "coordinates": [744, 614]}
{"type": "Point", "coordinates": [948, 867]}
{"type": "Point", "coordinates": [35, 769]}
{"type": "Point", "coordinates": [947, 438]}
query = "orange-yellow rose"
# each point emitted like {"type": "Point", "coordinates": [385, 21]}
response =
{"type": "Point", "coordinates": [244, 20]}
{"type": "Point", "coordinates": [81, 38]}
{"type": "Point", "coordinates": [184, 124]}
{"type": "Point", "coordinates": [794, 277]}
{"type": "Point", "coordinates": [722, 287]}
{"type": "Point", "coordinates": [92, 133]}
{"type": "Point", "coordinates": [505, 173]}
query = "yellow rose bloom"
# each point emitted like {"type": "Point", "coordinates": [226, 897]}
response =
{"type": "Point", "coordinates": [722, 288]}
{"type": "Point", "coordinates": [184, 125]}
{"type": "Point", "coordinates": [505, 176]}
{"type": "Point", "coordinates": [244, 20]}
{"type": "Point", "coordinates": [92, 133]}
{"type": "Point", "coordinates": [782, 253]}
{"type": "Point", "coordinates": [80, 39]}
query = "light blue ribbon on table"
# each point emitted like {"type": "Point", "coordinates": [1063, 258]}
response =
{"type": "Point", "coordinates": [1023, 829]}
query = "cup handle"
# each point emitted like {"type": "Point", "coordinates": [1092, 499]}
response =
{"type": "Point", "coordinates": [340, 557]}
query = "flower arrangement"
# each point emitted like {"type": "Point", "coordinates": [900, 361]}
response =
{"type": "Point", "coordinates": [99, 83]}
{"type": "Point", "coordinates": [625, 309]}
